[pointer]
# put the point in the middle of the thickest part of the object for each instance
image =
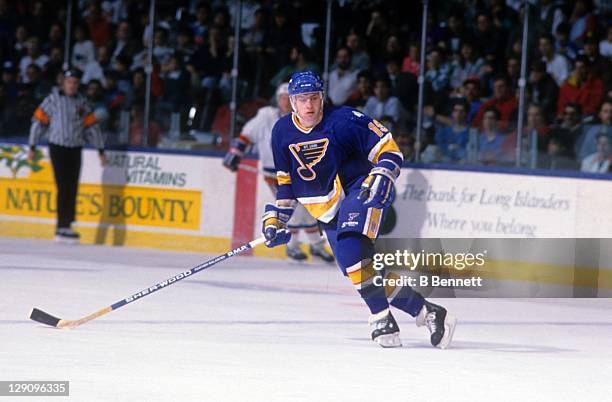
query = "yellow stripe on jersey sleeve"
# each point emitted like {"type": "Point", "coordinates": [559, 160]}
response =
{"type": "Point", "coordinates": [386, 144]}
{"type": "Point", "coordinates": [283, 178]}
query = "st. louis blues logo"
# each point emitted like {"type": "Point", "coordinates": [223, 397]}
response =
{"type": "Point", "coordinates": [308, 154]}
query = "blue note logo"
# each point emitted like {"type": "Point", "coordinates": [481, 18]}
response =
{"type": "Point", "coordinates": [308, 154]}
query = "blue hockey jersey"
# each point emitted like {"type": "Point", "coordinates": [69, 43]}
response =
{"type": "Point", "coordinates": [317, 166]}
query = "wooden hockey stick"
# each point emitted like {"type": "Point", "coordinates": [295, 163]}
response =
{"type": "Point", "coordinates": [46, 318]}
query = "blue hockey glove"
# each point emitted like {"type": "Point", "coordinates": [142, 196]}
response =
{"type": "Point", "coordinates": [274, 224]}
{"type": "Point", "coordinates": [233, 157]}
{"type": "Point", "coordinates": [378, 190]}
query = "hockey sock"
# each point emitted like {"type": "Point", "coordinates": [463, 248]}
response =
{"type": "Point", "coordinates": [354, 255]}
{"type": "Point", "coordinates": [313, 236]}
{"type": "Point", "coordinates": [403, 297]}
{"type": "Point", "coordinates": [294, 241]}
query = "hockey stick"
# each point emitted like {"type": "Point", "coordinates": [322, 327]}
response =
{"type": "Point", "coordinates": [48, 319]}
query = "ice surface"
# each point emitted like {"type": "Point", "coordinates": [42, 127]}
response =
{"type": "Point", "coordinates": [262, 330]}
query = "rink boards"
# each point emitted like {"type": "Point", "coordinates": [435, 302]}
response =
{"type": "Point", "coordinates": [189, 202]}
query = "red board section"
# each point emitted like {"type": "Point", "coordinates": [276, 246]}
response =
{"type": "Point", "coordinates": [245, 203]}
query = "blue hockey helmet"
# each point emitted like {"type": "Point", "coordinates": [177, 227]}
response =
{"type": "Point", "coordinates": [305, 82]}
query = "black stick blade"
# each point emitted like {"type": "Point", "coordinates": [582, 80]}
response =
{"type": "Point", "coordinates": [44, 318]}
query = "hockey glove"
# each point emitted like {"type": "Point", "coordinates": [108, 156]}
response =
{"type": "Point", "coordinates": [274, 224]}
{"type": "Point", "coordinates": [234, 155]}
{"type": "Point", "coordinates": [378, 190]}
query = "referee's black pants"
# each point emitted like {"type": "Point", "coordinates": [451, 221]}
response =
{"type": "Point", "coordinates": [66, 168]}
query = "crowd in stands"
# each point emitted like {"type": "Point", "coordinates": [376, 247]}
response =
{"type": "Point", "coordinates": [472, 69]}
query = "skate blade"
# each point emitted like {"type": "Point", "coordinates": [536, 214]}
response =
{"type": "Point", "coordinates": [449, 330]}
{"type": "Point", "coordinates": [63, 240]}
{"type": "Point", "coordinates": [389, 341]}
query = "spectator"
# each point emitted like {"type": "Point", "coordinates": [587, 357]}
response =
{"type": "Point", "coordinates": [99, 68]}
{"type": "Point", "coordinates": [513, 70]}
{"type": "Point", "coordinates": [438, 75]}
{"type": "Point", "coordinates": [393, 49]}
{"type": "Point", "coordinates": [582, 21]}
{"type": "Point", "coordinates": [184, 45]}
{"type": "Point", "coordinates": [503, 17]}
{"type": "Point", "coordinates": [55, 64]}
{"type": "Point", "coordinates": [360, 96]}
{"type": "Point", "coordinates": [161, 51]}
{"type": "Point", "coordinates": [360, 59]}
{"type": "Point", "coordinates": [543, 88]}
{"type": "Point", "coordinates": [137, 91]}
{"type": "Point", "coordinates": [33, 56]}
{"type": "Point", "coordinates": [563, 45]}
{"type": "Point", "coordinates": [599, 161]}
{"type": "Point", "coordinates": [455, 35]}
{"type": "Point", "coordinates": [9, 80]}
{"type": "Point", "coordinates": [581, 87]}
{"type": "Point", "coordinates": [176, 84]}
{"type": "Point", "coordinates": [471, 93]}
{"type": "Point", "coordinates": [95, 96]}
{"type": "Point", "coordinates": [452, 140]}
{"type": "Point", "coordinates": [503, 101]}
{"type": "Point", "coordinates": [571, 127]}
{"type": "Point", "coordinates": [99, 27]}
{"type": "Point", "coordinates": [342, 79]}
{"type": "Point", "coordinates": [83, 50]}
{"type": "Point", "coordinates": [376, 32]}
{"type": "Point", "coordinates": [124, 45]}
{"type": "Point", "coordinates": [55, 37]}
{"type": "Point", "coordinates": [201, 24]}
{"type": "Point", "coordinates": [605, 46]}
{"type": "Point", "coordinates": [556, 64]}
{"type": "Point", "coordinates": [253, 38]}
{"type": "Point", "coordinates": [221, 20]}
{"type": "Point", "coordinates": [550, 16]}
{"type": "Point", "coordinates": [300, 61]}
{"type": "Point", "coordinates": [468, 65]}
{"type": "Point", "coordinates": [208, 61]}
{"type": "Point", "coordinates": [279, 44]}
{"type": "Point", "coordinates": [587, 143]}
{"type": "Point", "coordinates": [490, 138]}
{"type": "Point", "coordinates": [136, 130]}
{"type": "Point", "coordinates": [535, 137]}
{"type": "Point", "coordinates": [403, 85]}
{"type": "Point", "coordinates": [556, 156]}
{"type": "Point", "coordinates": [38, 88]}
{"type": "Point", "coordinates": [412, 62]}
{"type": "Point", "coordinates": [20, 47]}
{"type": "Point", "coordinates": [600, 66]}
{"type": "Point", "coordinates": [487, 38]}
{"type": "Point", "coordinates": [383, 104]}
{"type": "Point", "coordinates": [38, 20]}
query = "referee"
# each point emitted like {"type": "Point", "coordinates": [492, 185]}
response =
{"type": "Point", "coordinates": [68, 119]}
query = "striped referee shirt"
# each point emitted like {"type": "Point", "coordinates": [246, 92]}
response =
{"type": "Point", "coordinates": [69, 121]}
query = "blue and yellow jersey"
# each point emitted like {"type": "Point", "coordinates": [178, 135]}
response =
{"type": "Point", "coordinates": [317, 166]}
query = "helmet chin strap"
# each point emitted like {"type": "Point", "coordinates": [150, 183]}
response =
{"type": "Point", "coordinates": [294, 108]}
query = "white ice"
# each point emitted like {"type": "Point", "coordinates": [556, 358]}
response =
{"type": "Point", "coordinates": [261, 330]}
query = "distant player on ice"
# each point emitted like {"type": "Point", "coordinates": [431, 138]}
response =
{"type": "Point", "coordinates": [341, 165]}
{"type": "Point", "coordinates": [257, 132]}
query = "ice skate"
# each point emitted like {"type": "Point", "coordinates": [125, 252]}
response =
{"type": "Point", "coordinates": [385, 331]}
{"type": "Point", "coordinates": [295, 253]}
{"type": "Point", "coordinates": [67, 236]}
{"type": "Point", "coordinates": [318, 250]}
{"type": "Point", "coordinates": [441, 325]}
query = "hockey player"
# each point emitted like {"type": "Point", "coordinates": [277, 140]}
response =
{"type": "Point", "coordinates": [258, 132]}
{"type": "Point", "coordinates": [341, 165]}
